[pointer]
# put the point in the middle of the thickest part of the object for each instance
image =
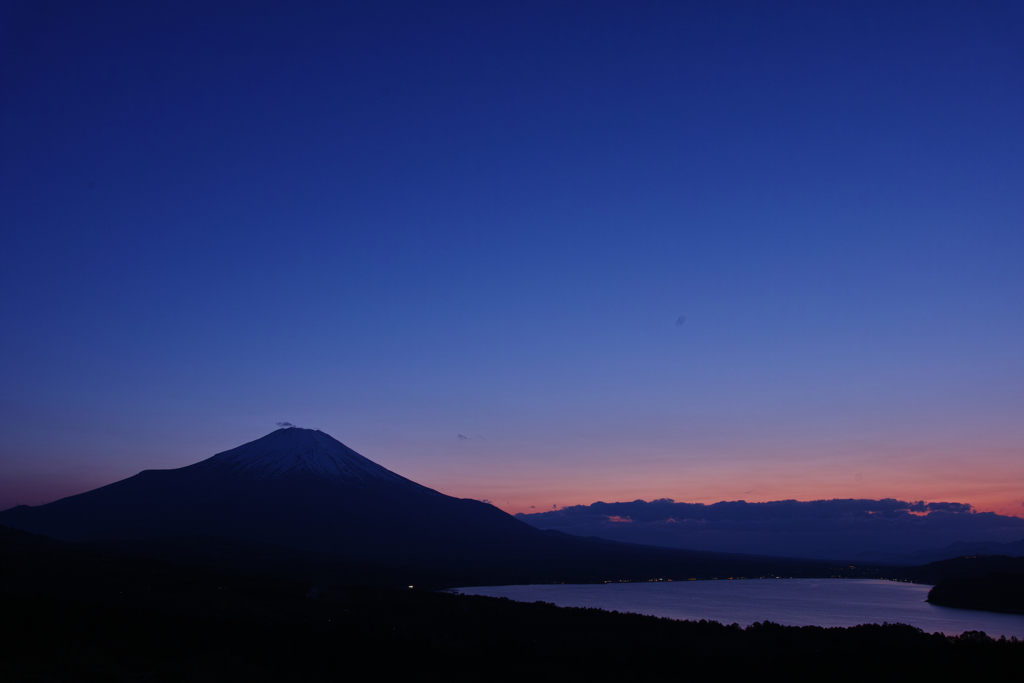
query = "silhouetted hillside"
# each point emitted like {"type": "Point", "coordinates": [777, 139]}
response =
{"type": "Point", "coordinates": [82, 614]}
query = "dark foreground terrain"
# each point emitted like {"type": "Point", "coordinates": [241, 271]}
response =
{"type": "Point", "coordinates": [86, 614]}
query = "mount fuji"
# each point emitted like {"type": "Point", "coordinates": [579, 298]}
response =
{"type": "Point", "coordinates": [293, 487]}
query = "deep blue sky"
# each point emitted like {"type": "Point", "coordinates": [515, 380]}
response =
{"type": "Point", "coordinates": [402, 222]}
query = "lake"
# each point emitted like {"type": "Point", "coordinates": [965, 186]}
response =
{"type": "Point", "coordinates": [792, 602]}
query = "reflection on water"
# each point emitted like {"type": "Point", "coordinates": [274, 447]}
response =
{"type": "Point", "coordinates": [792, 602]}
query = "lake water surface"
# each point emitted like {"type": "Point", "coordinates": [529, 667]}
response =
{"type": "Point", "coordinates": [792, 602]}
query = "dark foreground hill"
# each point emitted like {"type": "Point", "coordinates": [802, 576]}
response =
{"type": "Point", "coordinates": [301, 489]}
{"type": "Point", "coordinates": [994, 583]}
{"type": "Point", "coordinates": [996, 592]}
{"type": "Point", "coordinates": [80, 614]}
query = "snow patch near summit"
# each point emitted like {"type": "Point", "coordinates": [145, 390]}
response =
{"type": "Point", "coordinates": [294, 450]}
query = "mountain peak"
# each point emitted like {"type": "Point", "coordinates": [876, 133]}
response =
{"type": "Point", "coordinates": [294, 450]}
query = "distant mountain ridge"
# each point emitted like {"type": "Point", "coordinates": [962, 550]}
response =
{"type": "Point", "coordinates": [958, 549]}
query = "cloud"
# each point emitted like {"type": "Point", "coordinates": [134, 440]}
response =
{"type": "Point", "coordinates": [462, 437]}
{"type": "Point", "coordinates": [285, 425]}
{"type": "Point", "coordinates": [741, 511]}
{"type": "Point", "coordinates": [817, 528]}
{"type": "Point", "coordinates": [949, 507]}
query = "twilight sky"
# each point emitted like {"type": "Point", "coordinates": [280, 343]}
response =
{"type": "Point", "coordinates": [405, 222]}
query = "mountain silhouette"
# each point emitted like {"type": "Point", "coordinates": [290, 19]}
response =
{"type": "Point", "coordinates": [294, 487]}
{"type": "Point", "coordinates": [301, 489]}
